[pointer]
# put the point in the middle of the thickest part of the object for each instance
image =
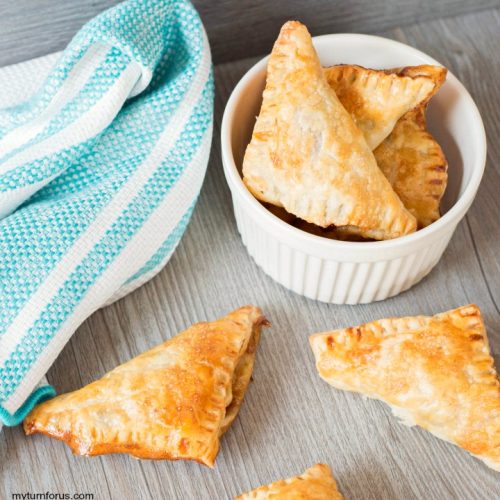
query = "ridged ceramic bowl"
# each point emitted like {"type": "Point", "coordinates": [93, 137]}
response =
{"type": "Point", "coordinates": [355, 272]}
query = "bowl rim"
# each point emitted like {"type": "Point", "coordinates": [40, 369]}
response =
{"type": "Point", "coordinates": [454, 214]}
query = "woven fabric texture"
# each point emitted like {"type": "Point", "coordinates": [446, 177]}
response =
{"type": "Point", "coordinates": [99, 173]}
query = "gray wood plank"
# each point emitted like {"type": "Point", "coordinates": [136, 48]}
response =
{"type": "Point", "coordinates": [236, 29]}
{"type": "Point", "coordinates": [250, 26]}
{"type": "Point", "coordinates": [290, 418]}
{"type": "Point", "coordinates": [32, 28]}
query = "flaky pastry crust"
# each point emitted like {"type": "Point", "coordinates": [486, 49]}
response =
{"type": "Point", "coordinates": [316, 483]}
{"type": "Point", "coordinates": [415, 165]}
{"type": "Point", "coordinates": [307, 155]}
{"type": "Point", "coordinates": [377, 99]}
{"type": "Point", "coordinates": [436, 73]}
{"type": "Point", "coordinates": [436, 372]}
{"type": "Point", "coordinates": [171, 402]}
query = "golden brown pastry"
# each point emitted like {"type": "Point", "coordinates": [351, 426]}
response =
{"type": "Point", "coordinates": [436, 372]}
{"type": "Point", "coordinates": [316, 483]}
{"type": "Point", "coordinates": [171, 402]}
{"type": "Point", "coordinates": [307, 155]}
{"type": "Point", "coordinates": [436, 73]}
{"type": "Point", "coordinates": [377, 99]}
{"type": "Point", "coordinates": [415, 165]}
{"type": "Point", "coordinates": [409, 157]}
{"type": "Point", "coordinates": [412, 159]}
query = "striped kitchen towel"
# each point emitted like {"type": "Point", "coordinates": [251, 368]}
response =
{"type": "Point", "coordinates": [99, 173]}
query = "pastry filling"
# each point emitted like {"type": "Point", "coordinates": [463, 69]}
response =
{"type": "Point", "coordinates": [241, 378]}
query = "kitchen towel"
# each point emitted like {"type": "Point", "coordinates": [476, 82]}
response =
{"type": "Point", "coordinates": [100, 169]}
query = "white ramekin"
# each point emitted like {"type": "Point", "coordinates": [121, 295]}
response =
{"type": "Point", "coordinates": [351, 272]}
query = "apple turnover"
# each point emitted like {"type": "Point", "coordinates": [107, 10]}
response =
{"type": "Point", "coordinates": [377, 99]}
{"type": "Point", "coordinates": [171, 402]}
{"type": "Point", "coordinates": [316, 483]}
{"type": "Point", "coordinates": [436, 372]}
{"type": "Point", "coordinates": [415, 165]}
{"type": "Point", "coordinates": [307, 155]}
{"type": "Point", "coordinates": [390, 105]}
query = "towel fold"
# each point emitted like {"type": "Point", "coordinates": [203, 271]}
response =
{"type": "Point", "coordinates": [99, 173]}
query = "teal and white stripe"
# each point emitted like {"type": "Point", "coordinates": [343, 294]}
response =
{"type": "Point", "coordinates": [99, 174]}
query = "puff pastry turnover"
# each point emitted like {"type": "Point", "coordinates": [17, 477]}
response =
{"type": "Point", "coordinates": [436, 372]}
{"type": "Point", "coordinates": [412, 159]}
{"type": "Point", "coordinates": [377, 99]}
{"type": "Point", "coordinates": [415, 165]}
{"type": "Point", "coordinates": [316, 483]}
{"type": "Point", "coordinates": [171, 402]}
{"type": "Point", "coordinates": [307, 155]}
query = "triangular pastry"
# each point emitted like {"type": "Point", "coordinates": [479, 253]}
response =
{"type": "Point", "coordinates": [171, 402]}
{"type": "Point", "coordinates": [307, 155]}
{"type": "Point", "coordinates": [316, 483]}
{"type": "Point", "coordinates": [412, 159]}
{"type": "Point", "coordinates": [409, 157]}
{"type": "Point", "coordinates": [377, 99]}
{"type": "Point", "coordinates": [436, 372]}
{"type": "Point", "coordinates": [415, 165]}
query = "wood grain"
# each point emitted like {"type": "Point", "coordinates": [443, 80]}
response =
{"type": "Point", "coordinates": [236, 28]}
{"type": "Point", "coordinates": [247, 27]}
{"type": "Point", "coordinates": [290, 418]}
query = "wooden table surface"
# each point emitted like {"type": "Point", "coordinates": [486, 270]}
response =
{"type": "Point", "coordinates": [290, 418]}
